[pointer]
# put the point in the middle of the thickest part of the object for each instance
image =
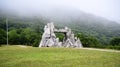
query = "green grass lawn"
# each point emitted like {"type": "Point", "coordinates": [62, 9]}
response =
{"type": "Point", "coordinates": [16, 56]}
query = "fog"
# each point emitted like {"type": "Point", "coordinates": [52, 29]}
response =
{"type": "Point", "coordinates": [104, 8]}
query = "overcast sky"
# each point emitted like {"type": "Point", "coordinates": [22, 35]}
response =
{"type": "Point", "coordinates": [109, 9]}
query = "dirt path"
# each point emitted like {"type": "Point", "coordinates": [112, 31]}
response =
{"type": "Point", "coordinates": [107, 50]}
{"type": "Point", "coordinates": [22, 46]}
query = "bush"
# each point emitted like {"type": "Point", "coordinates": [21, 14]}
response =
{"type": "Point", "coordinates": [36, 43]}
{"type": "Point", "coordinates": [115, 41]}
{"type": "Point", "coordinates": [113, 47]}
{"type": "Point", "coordinates": [89, 41]}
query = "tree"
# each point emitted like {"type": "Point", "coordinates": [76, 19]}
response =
{"type": "Point", "coordinates": [60, 36]}
{"type": "Point", "coordinates": [30, 37]}
{"type": "Point", "coordinates": [2, 23]}
{"type": "Point", "coordinates": [14, 38]}
{"type": "Point", "coordinates": [2, 36]}
{"type": "Point", "coordinates": [88, 41]}
{"type": "Point", "coordinates": [36, 42]}
{"type": "Point", "coordinates": [115, 41]}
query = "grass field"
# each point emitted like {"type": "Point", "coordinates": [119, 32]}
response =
{"type": "Point", "coordinates": [16, 56]}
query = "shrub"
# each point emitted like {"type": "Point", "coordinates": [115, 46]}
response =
{"type": "Point", "coordinates": [89, 41]}
{"type": "Point", "coordinates": [36, 43]}
{"type": "Point", "coordinates": [113, 47]}
{"type": "Point", "coordinates": [115, 41]}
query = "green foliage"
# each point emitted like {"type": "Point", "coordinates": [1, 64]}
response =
{"type": "Point", "coordinates": [2, 23]}
{"type": "Point", "coordinates": [113, 47]}
{"type": "Point", "coordinates": [2, 36]}
{"type": "Point", "coordinates": [24, 36]}
{"type": "Point", "coordinates": [115, 41]}
{"type": "Point", "coordinates": [31, 36]}
{"type": "Point", "coordinates": [14, 37]}
{"type": "Point", "coordinates": [36, 43]}
{"type": "Point", "coordinates": [60, 36]}
{"type": "Point", "coordinates": [88, 41]}
{"type": "Point", "coordinates": [103, 30]}
{"type": "Point", "coordinates": [28, 31]}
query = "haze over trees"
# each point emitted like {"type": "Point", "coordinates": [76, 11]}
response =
{"type": "Point", "coordinates": [94, 31]}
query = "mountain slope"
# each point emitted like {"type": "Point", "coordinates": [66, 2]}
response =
{"type": "Point", "coordinates": [78, 21]}
{"type": "Point", "coordinates": [84, 23]}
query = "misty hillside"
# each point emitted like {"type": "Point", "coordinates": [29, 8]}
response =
{"type": "Point", "coordinates": [78, 21]}
{"type": "Point", "coordinates": [85, 23]}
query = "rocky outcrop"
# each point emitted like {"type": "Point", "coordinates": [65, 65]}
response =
{"type": "Point", "coordinates": [49, 38]}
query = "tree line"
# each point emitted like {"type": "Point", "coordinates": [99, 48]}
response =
{"type": "Point", "coordinates": [24, 33]}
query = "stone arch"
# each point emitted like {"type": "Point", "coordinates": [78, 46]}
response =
{"type": "Point", "coordinates": [49, 38]}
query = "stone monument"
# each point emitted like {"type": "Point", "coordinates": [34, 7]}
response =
{"type": "Point", "coordinates": [49, 38]}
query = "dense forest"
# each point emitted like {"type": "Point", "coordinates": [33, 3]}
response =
{"type": "Point", "coordinates": [93, 31]}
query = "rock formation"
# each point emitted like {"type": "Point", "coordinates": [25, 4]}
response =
{"type": "Point", "coordinates": [49, 38]}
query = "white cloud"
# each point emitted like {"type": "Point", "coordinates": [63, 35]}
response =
{"type": "Point", "coordinates": [105, 8]}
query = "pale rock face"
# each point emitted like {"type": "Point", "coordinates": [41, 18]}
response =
{"type": "Point", "coordinates": [49, 38]}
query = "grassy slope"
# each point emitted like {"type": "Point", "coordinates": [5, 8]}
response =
{"type": "Point", "coordinates": [15, 56]}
